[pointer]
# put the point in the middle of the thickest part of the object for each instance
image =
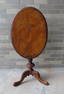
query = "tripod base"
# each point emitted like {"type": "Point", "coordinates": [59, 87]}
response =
{"type": "Point", "coordinates": [30, 72]}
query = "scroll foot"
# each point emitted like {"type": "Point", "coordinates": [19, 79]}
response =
{"type": "Point", "coordinates": [25, 74]}
{"type": "Point", "coordinates": [38, 77]}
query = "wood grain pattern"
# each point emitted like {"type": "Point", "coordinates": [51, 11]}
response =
{"type": "Point", "coordinates": [29, 32]}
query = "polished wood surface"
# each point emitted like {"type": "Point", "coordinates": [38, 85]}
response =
{"type": "Point", "coordinates": [29, 32]}
{"type": "Point", "coordinates": [29, 37]}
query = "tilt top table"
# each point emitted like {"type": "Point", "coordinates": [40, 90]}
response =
{"type": "Point", "coordinates": [29, 36]}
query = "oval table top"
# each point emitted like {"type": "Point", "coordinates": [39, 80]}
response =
{"type": "Point", "coordinates": [29, 32]}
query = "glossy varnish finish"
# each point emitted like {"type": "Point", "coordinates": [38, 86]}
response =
{"type": "Point", "coordinates": [29, 37]}
{"type": "Point", "coordinates": [29, 32]}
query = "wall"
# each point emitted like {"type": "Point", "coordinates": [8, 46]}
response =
{"type": "Point", "coordinates": [53, 54]}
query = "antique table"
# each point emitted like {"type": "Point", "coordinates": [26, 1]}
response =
{"type": "Point", "coordinates": [29, 37]}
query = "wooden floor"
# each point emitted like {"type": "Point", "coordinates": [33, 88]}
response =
{"type": "Point", "coordinates": [55, 76]}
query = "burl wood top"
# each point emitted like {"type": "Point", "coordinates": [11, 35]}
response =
{"type": "Point", "coordinates": [29, 32]}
